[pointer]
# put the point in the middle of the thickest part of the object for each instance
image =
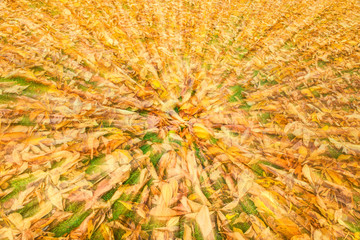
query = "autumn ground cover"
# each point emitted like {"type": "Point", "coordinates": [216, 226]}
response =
{"type": "Point", "coordinates": [159, 119]}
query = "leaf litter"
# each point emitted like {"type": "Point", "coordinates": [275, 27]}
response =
{"type": "Point", "coordinates": [179, 119]}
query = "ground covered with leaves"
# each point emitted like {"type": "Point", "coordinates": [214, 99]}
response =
{"type": "Point", "coordinates": [185, 119]}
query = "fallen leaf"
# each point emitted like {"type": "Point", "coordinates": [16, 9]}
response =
{"type": "Point", "coordinates": [55, 197]}
{"type": "Point", "coordinates": [204, 222]}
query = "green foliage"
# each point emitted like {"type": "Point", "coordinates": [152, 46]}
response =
{"type": "Point", "coordinates": [153, 137]}
{"type": "Point", "coordinates": [155, 158]}
{"type": "Point", "coordinates": [237, 93]}
{"type": "Point", "coordinates": [118, 209]}
{"type": "Point", "coordinates": [213, 140]}
{"type": "Point", "coordinates": [333, 152]}
{"type": "Point", "coordinates": [321, 64]}
{"type": "Point", "coordinates": [257, 169]}
{"type": "Point", "coordinates": [4, 98]}
{"type": "Point", "coordinates": [143, 113]}
{"type": "Point", "coordinates": [145, 148]}
{"type": "Point", "coordinates": [199, 154]}
{"type": "Point", "coordinates": [29, 209]}
{"type": "Point", "coordinates": [197, 232]}
{"type": "Point", "coordinates": [248, 206]}
{"type": "Point", "coordinates": [243, 226]}
{"type": "Point", "coordinates": [107, 196]}
{"type": "Point", "coordinates": [93, 166]}
{"type": "Point", "coordinates": [177, 109]}
{"type": "Point", "coordinates": [133, 178]}
{"type": "Point", "coordinates": [17, 185]}
{"type": "Point", "coordinates": [74, 221]}
{"type": "Point", "coordinates": [270, 164]}
{"type": "Point", "coordinates": [264, 117]}
{"type": "Point", "coordinates": [33, 87]}
{"type": "Point", "coordinates": [97, 235]}
{"type": "Point", "coordinates": [25, 121]}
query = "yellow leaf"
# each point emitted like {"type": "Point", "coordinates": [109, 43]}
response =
{"type": "Point", "coordinates": [326, 127]}
{"type": "Point", "coordinates": [287, 227]}
{"type": "Point", "coordinates": [187, 232]}
{"type": "Point", "coordinates": [67, 11]}
{"type": "Point", "coordinates": [12, 136]}
{"type": "Point", "coordinates": [91, 144]}
{"type": "Point", "coordinates": [161, 211]}
{"type": "Point", "coordinates": [270, 107]}
{"type": "Point", "coordinates": [107, 232]}
{"type": "Point", "coordinates": [195, 207]}
{"type": "Point", "coordinates": [261, 206]}
{"type": "Point", "coordinates": [156, 84]}
{"type": "Point", "coordinates": [55, 197]}
{"type": "Point", "coordinates": [44, 209]}
{"type": "Point", "coordinates": [314, 118]}
{"type": "Point", "coordinates": [245, 182]}
{"type": "Point", "coordinates": [204, 222]}
{"type": "Point", "coordinates": [306, 92]}
{"type": "Point", "coordinates": [127, 205]}
{"type": "Point", "coordinates": [127, 234]}
{"type": "Point", "coordinates": [35, 140]}
{"type": "Point", "coordinates": [193, 197]}
{"type": "Point", "coordinates": [321, 234]}
{"type": "Point", "coordinates": [214, 150]}
{"type": "Point", "coordinates": [343, 157]}
{"type": "Point", "coordinates": [186, 106]}
{"type": "Point", "coordinates": [230, 216]}
{"type": "Point", "coordinates": [173, 222]}
{"type": "Point", "coordinates": [237, 229]}
{"type": "Point", "coordinates": [303, 151]}
{"type": "Point", "coordinates": [17, 220]}
{"type": "Point", "coordinates": [335, 177]}
{"type": "Point", "coordinates": [237, 234]}
{"type": "Point", "coordinates": [312, 177]}
{"type": "Point", "coordinates": [201, 131]}
{"type": "Point", "coordinates": [7, 233]}
{"type": "Point", "coordinates": [353, 43]}
{"type": "Point", "coordinates": [166, 193]}
{"type": "Point", "coordinates": [300, 237]}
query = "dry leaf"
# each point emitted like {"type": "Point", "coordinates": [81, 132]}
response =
{"type": "Point", "coordinates": [204, 222]}
{"type": "Point", "coordinates": [55, 197]}
{"type": "Point", "coordinates": [141, 118]}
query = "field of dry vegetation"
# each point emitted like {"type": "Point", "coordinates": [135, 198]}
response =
{"type": "Point", "coordinates": [179, 119]}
